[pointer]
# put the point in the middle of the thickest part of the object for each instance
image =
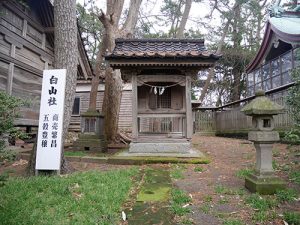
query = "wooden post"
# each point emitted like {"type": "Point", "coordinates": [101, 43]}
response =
{"type": "Point", "coordinates": [24, 29]}
{"type": "Point", "coordinates": [44, 41]}
{"type": "Point", "coordinates": [189, 116]}
{"type": "Point", "coordinates": [134, 107]}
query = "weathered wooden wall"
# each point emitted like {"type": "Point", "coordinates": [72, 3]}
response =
{"type": "Point", "coordinates": [26, 49]}
{"type": "Point", "coordinates": [125, 120]}
{"type": "Point", "coordinates": [232, 121]}
{"type": "Point", "coordinates": [24, 53]}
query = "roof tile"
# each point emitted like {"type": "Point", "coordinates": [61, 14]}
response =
{"type": "Point", "coordinates": [161, 48]}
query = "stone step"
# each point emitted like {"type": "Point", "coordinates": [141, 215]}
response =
{"type": "Point", "coordinates": [183, 147]}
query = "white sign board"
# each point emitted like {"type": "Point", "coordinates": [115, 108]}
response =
{"type": "Point", "coordinates": [49, 142]}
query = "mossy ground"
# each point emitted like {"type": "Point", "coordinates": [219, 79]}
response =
{"type": "Point", "coordinates": [152, 204]}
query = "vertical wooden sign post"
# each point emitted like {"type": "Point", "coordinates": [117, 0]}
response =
{"type": "Point", "coordinates": [49, 142]}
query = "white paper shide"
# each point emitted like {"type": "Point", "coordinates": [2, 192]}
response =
{"type": "Point", "coordinates": [49, 142]}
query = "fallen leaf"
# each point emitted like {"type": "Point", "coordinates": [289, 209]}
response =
{"type": "Point", "coordinates": [123, 216]}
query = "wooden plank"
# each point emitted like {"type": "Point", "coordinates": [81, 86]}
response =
{"type": "Point", "coordinates": [151, 115]}
{"type": "Point", "coordinates": [134, 107]}
{"type": "Point", "coordinates": [4, 45]}
{"type": "Point", "coordinates": [3, 75]}
{"type": "Point", "coordinates": [24, 15]}
{"type": "Point", "coordinates": [10, 78]}
{"type": "Point", "coordinates": [189, 116]}
{"type": "Point", "coordinates": [13, 51]}
{"type": "Point", "coordinates": [24, 30]}
{"type": "Point", "coordinates": [18, 63]}
{"type": "Point", "coordinates": [29, 45]}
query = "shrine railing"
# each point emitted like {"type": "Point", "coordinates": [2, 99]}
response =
{"type": "Point", "coordinates": [169, 124]}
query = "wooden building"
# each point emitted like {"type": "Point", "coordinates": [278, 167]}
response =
{"type": "Point", "coordinates": [26, 49]}
{"type": "Point", "coordinates": [160, 71]}
{"type": "Point", "coordinates": [278, 54]}
{"type": "Point", "coordinates": [81, 105]}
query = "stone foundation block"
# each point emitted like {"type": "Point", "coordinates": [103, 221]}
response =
{"type": "Point", "coordinates": [264, 185]}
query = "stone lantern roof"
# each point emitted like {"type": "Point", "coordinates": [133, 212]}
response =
{"type": "Point", "coordinates": [262, 105]}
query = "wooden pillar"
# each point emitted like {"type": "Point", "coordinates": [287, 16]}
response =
{"type": "Point", "coordinates": [134, 107]}
{"type": "Point", "coordinates": [44, 41]}
{"type": "Point", "coordinates": [189, 116]}
{"type": "Point", "coordinates": [11, 70]}
{"type": "Point", "coordinates": [10, 78]}
{"type": "Point", "coordinates": [24, 29]}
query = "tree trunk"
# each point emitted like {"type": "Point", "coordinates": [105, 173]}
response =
{"type": "Point", "coordinates": [110, 21]}
{"type": "Point", "coordinates": [237, 38]}
{"type": "Point", "coordinates": [187, 8]}
{"type": "Point", "coordinates": [111, 103]}
{"type": "Point", "coordinates": [211, 72]}
{"type": "Point", "coordinates": [131, 19]}
{"type": "Point", "coordinates": [65, 57]}
{"type": "Point", "coordinates": [113, 80]}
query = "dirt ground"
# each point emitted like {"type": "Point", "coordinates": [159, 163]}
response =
{"type": "Point", "coordinates": [211, 202]}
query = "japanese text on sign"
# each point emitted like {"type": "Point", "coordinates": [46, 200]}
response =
{"type": "Point", "coordinates": [51, 120]}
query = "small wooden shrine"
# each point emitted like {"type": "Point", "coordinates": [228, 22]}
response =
{"type": "Point", "coordinates": [161, 71]}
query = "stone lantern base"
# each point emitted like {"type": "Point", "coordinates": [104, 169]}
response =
{"type": "Point", "coordinates": [265, 185]}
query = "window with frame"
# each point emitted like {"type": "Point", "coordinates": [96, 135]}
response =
{"type": "Point", "coordinates": [163, 101]}
{"type": "Point", "coordinates": [76, 107]}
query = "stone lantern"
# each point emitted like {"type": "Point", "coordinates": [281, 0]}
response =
{"type": "Point", "coordinates": [263, 135]}
{"type": "Point", "coordinates": [91, 137]}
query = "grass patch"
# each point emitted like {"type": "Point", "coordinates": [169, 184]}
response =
{"type": "Point", "coordinates": [295, 176]}
{"type": "Point", "coordinates": [287, 195]}
{"type": "Point", "coordinates": [3, 179]}
{"type": "Point", "coordinates": [275, 165]}
{"type": "Point", "coordinates": [75, 153]}
{"type": "Point", "coordinates": [207, 198]}
{"type": "Point", "coordinates": [242, 173]}
{"type": "Point", "coordinates": [177, 171]}
{"type": "Point", "coordinates": [223, 200]}
{"type": "Point", "coordinates": [292, 217]}
{"type": "Point", "coordinates": [220, 189]}
{"type": "Point", "coordinates": [80, 198]}
{"type": "Point", "coordinates": [205, 208]}
{"type": "Point", "coordinates": [232, 222]}
{"type": "Point", "coordinates": [198, 169]}
{"type": "Point", "coordinates": [276, 152]}
{"type": "Point", "coordinates": [179, 199]}
{"type": "Point", "coordinates": [263, 207]}
{"type": "Point", "coordinates": [261, 203]}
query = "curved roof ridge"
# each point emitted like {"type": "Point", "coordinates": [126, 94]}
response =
{"type": "Point", "coordinates": [185, 40]}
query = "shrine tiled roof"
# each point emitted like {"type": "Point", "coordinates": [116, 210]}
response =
{"type": "Point", "coordinates": [160, 48]}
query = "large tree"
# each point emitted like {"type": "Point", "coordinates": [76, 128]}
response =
{"type": "Point", "coordinates": [240, 32]}
{"type": "Point", "coordinates": [65, 57]}
{"type": "Point", "coordinates": [113, 81]}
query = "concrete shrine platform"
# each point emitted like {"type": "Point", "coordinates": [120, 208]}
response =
{"type": "Point", "coordinates": [191, 153]}
{"type": "Point", "coordinates": [162, 148]}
